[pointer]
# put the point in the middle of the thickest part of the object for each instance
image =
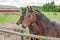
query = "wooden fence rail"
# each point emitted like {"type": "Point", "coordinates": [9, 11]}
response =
{"type": "Point", "coordinates": [28, 35]}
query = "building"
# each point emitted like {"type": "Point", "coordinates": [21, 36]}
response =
{"type": "Point", "coordinates": [6, 8]}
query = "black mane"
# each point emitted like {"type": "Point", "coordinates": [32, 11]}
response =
{"type": "Point", "coordinates": [43, 17]}
{"type": "Point", "coordinates": [48, 23]}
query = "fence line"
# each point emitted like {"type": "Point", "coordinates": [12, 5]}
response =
{"type": "Point", "coordinates": [28, 35]}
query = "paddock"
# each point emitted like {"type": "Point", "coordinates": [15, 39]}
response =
{"type": "Point", "coordinates": [10, 31]}
{"type": "Point", "coordinates": [28, 35]}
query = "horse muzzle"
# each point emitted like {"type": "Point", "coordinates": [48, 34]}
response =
{"type": "Point", "coordinates": [24, 25]}
{"type": "Point", "coordinates": [18, 23]}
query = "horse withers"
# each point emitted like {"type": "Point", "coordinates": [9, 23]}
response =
{"type": "Point", "coordinates": [38, 24]}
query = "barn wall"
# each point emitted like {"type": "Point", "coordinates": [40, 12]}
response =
{"type": "Point", "coordinates": [9, 10]}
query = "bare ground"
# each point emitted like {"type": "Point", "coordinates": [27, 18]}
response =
{"type": "Point", "coordinates": [12, 26]}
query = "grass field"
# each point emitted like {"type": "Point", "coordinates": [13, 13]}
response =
{"type": "Point", "coordinates": [6, 17]}
{"type": "Point", "coordinates": [51, 15]}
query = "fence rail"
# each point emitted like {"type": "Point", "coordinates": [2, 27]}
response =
{"type": "Point", "coordinates": [28, 35]}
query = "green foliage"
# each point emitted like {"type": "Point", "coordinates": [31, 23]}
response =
{"type": "Point", "coordinates": [37, 7]}
{"type": "Point", "coordinates": [48, 7]}
{"type": "Point", "coordinates": [57, 9]}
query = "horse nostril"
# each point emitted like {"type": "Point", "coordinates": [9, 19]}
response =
{"type": "Point", "coordinates": [23, 26]}
{"type": "Point", "coordinates": [17, 23]}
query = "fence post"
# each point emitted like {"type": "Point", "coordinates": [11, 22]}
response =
{"type": "Point", "coordinates": [22, 36]}
{"type": "Point", "coordinates": [23, 31]}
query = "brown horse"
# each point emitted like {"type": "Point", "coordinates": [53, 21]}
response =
{"type": "Point", "coordinates": [38, 24]}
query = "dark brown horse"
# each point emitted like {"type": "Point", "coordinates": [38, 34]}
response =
{"type": "Point", "coordinates": [38, 24]}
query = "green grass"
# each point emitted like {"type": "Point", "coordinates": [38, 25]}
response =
{"type": "Point", "coordinates": [51, 15]}
{"type": "Point", "coordinates": [9, 17]}
{"type": "Point", "coordinates": [5, 17]}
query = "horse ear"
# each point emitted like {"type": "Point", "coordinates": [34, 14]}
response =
{"type": "Point", "coordinates": [30, 8]}
{"type": "Point", "coordinates": [22, 9]}
{"type": "Point", "coordinates": [25, 9]}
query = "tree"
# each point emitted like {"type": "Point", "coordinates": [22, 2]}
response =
{"type": "Point", "coordinates": [52, 6]}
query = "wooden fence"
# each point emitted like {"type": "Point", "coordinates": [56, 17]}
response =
{"type": "Point", "coordinates": [28, 35]}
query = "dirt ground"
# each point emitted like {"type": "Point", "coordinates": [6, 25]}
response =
{"type": "Point", "coordinates": [12, 26]}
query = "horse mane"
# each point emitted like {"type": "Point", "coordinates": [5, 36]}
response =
{"type": "Point", "coordinates": [43, 17]}
{"type": "Point", "coordinates": [49, 25]}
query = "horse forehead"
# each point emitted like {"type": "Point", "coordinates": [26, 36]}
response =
{"type": "Point", "coordinates": [27, 13]}
{"type": "Point", "coordinates": [34, 13]}
{"type": "Point", "coordinates": [30, 13]}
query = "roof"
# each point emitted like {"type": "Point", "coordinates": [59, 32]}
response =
{"type": "Point", "coordinates": [8, 7]}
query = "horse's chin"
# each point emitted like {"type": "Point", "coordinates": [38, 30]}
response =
{"type": "Point", "coordinates": [24, 25]}
{"type": "Point", "coordinates": [18, 23]}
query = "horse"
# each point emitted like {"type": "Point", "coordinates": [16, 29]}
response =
{"type": "Point", "coordinates": [38, 23]}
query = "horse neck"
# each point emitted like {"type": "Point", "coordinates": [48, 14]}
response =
{"type": "Point", "coordinates": [44, 19]}
{"type": "Point", "coordinates": [35, 29]}
{"type": "Point", "coordinates": [46, 23]}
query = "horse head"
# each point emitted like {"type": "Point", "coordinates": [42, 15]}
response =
{"type": "Point", "coordinates": [23, 11]}
{"type": "Point", "coordinates": [27, 17]}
